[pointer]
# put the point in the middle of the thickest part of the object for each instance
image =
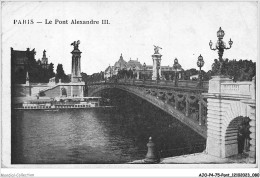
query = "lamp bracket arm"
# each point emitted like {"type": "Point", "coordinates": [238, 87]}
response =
{"type": "Point", "coordinates": [213, 48]}
{"type": "Point", "coordinates": [227, 47]}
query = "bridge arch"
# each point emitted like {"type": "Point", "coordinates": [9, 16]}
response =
{"type": "Point", "coordinates": [231, 135]}
{"type": "Point", "coordinates": [155, 100]}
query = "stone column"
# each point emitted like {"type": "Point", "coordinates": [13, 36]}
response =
{"type": "Point", "coordinates": [156, 63]}
{"type": "Point", "coordinates": [71, 91]}
{"type": "Point", "coordinates": [76, 61]}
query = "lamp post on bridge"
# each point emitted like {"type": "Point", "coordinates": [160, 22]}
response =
{"type": "Point", "coordinates": [134, 74]}
{"type": "Point", "coordinates": [200, 63]}
{"type": "Point", "coordinates": [125, 70]}
{"type": "Point", "coordinates": [175, 68]}
{"type": "Point", "coordinates": [144, 67]}
{"type": "Point", "coordinates": [110, 70]}
{"type": "Point", "coordinates": [220, 46]}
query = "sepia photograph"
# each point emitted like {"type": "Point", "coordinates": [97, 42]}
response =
{"type": "Point", "coordinates": [130, 85]}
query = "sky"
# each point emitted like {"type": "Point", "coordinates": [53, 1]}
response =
{"type": "Point", "coordinates": [182, 29]}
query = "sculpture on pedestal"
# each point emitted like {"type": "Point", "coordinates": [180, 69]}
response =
{"type": "Point", "coordinates": [76, 61]}
{"type": "Point", "coordinates": [156, 49]}
{"type": "Point", "coordinates": [75, 44]}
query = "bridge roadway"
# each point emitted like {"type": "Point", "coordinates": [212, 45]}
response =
{"type": "Point", "coordinates": [185, 102]}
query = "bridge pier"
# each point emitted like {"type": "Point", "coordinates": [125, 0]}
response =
{"type": "Point", "coordinates": [228, 103]}
{"type": "Point", "coordinates": [200, 112]}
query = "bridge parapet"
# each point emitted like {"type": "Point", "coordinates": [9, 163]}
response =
{"type": "Point", "coordinates": [238, 88]}
{"type": "Point", "coordinates": [166, 83]}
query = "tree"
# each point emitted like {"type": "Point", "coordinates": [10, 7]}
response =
{"type": "Point", "coordinates": [50, 71]}
{"type": "Point", "coordinates": [84, 77]}
{"type": "Point", "coordinates": [60, 74]}
{"type": "Point", "coordinates": [189, 73]}
{"type": "Point", "coordinates": [242, 70]}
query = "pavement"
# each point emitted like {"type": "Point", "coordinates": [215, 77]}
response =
{"type": "Point", "coordinates": [201, 158]}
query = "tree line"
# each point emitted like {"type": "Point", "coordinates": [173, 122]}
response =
{"type": "Point", "coordinates": [237, 70]}
{"type": "Point", "coordinates": [39, 73]}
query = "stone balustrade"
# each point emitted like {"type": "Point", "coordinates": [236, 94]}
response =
{"type": "Point", "coordinates": [237, 88]}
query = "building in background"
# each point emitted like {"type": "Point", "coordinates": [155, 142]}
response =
{"type": "Point", "coordinates": [109, 72]}
{"type": "Point", "coordinates": [119, 65]}
{"type": "Point", "coordinates": [139, 71]}
{"type": "Point", "coordinates": [44, 61]}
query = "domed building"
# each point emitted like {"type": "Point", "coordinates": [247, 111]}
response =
{"type": "Point", "coordinates": [119, 65]}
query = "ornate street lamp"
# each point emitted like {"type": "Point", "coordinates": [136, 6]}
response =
{"type": "Point", "coordinates": [144, 67]}
{"type": "Point", "coordinates": [110, 72]}
{"type": "Point", "coordinates": [200, 64]}
{"type": "Point", "coordinates": [125, 70]}
{"type": "Point", "coordinates": [134, 74]}
{"type": "Point", "coordinates": [175, 68]}
{"type": "Point", "coordinates": [220, 46]}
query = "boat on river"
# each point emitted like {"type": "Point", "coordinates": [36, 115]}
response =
{"type": "Point", "coordinates": [61, 103]}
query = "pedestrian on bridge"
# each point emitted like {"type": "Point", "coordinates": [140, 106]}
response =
{"type": "Point", "coordinates": [241, 139]}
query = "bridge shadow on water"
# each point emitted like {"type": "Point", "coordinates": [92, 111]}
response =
{"type": "Point", "coordinates": [172, 138]}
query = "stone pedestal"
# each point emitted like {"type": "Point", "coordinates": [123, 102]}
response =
{"type": "Point", "coordinates": [215, 83]}
{"type": "Point", "coordinates": [215, 134]}
{"type": "Point", "coordinates": [138, 75]}
{"type": "Point", "coordinates": [156, 63]}
{"type": "Point", "coordinates": [76, 66]}
{"type": "Point", "coordinates": [225, 107]}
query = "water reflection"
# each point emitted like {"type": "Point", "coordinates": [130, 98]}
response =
{"type": "Point", "coordinates": [77, 136]}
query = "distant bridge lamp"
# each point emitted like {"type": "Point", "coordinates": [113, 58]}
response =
{"type": "Point", "coordinates": [200, 64]}
{"type": "Point", "coordinates": [220, 46]}
{"type": "Point", "coordinates": [175, 66]}
{"type": "Point", "coordinates": [134, 73]}
{"type": "Point", "coordinates": [144, 68]}
{"type": "Point", "coordinates": [125, 71]}
{"type": "Point", "coordinates": [110, 70]}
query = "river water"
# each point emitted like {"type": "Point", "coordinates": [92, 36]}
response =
{"type": "Point", "coordinates": [98, 135]}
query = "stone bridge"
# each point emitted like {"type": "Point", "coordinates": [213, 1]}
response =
{"type": "Point", "coordinates": [214, 111]}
